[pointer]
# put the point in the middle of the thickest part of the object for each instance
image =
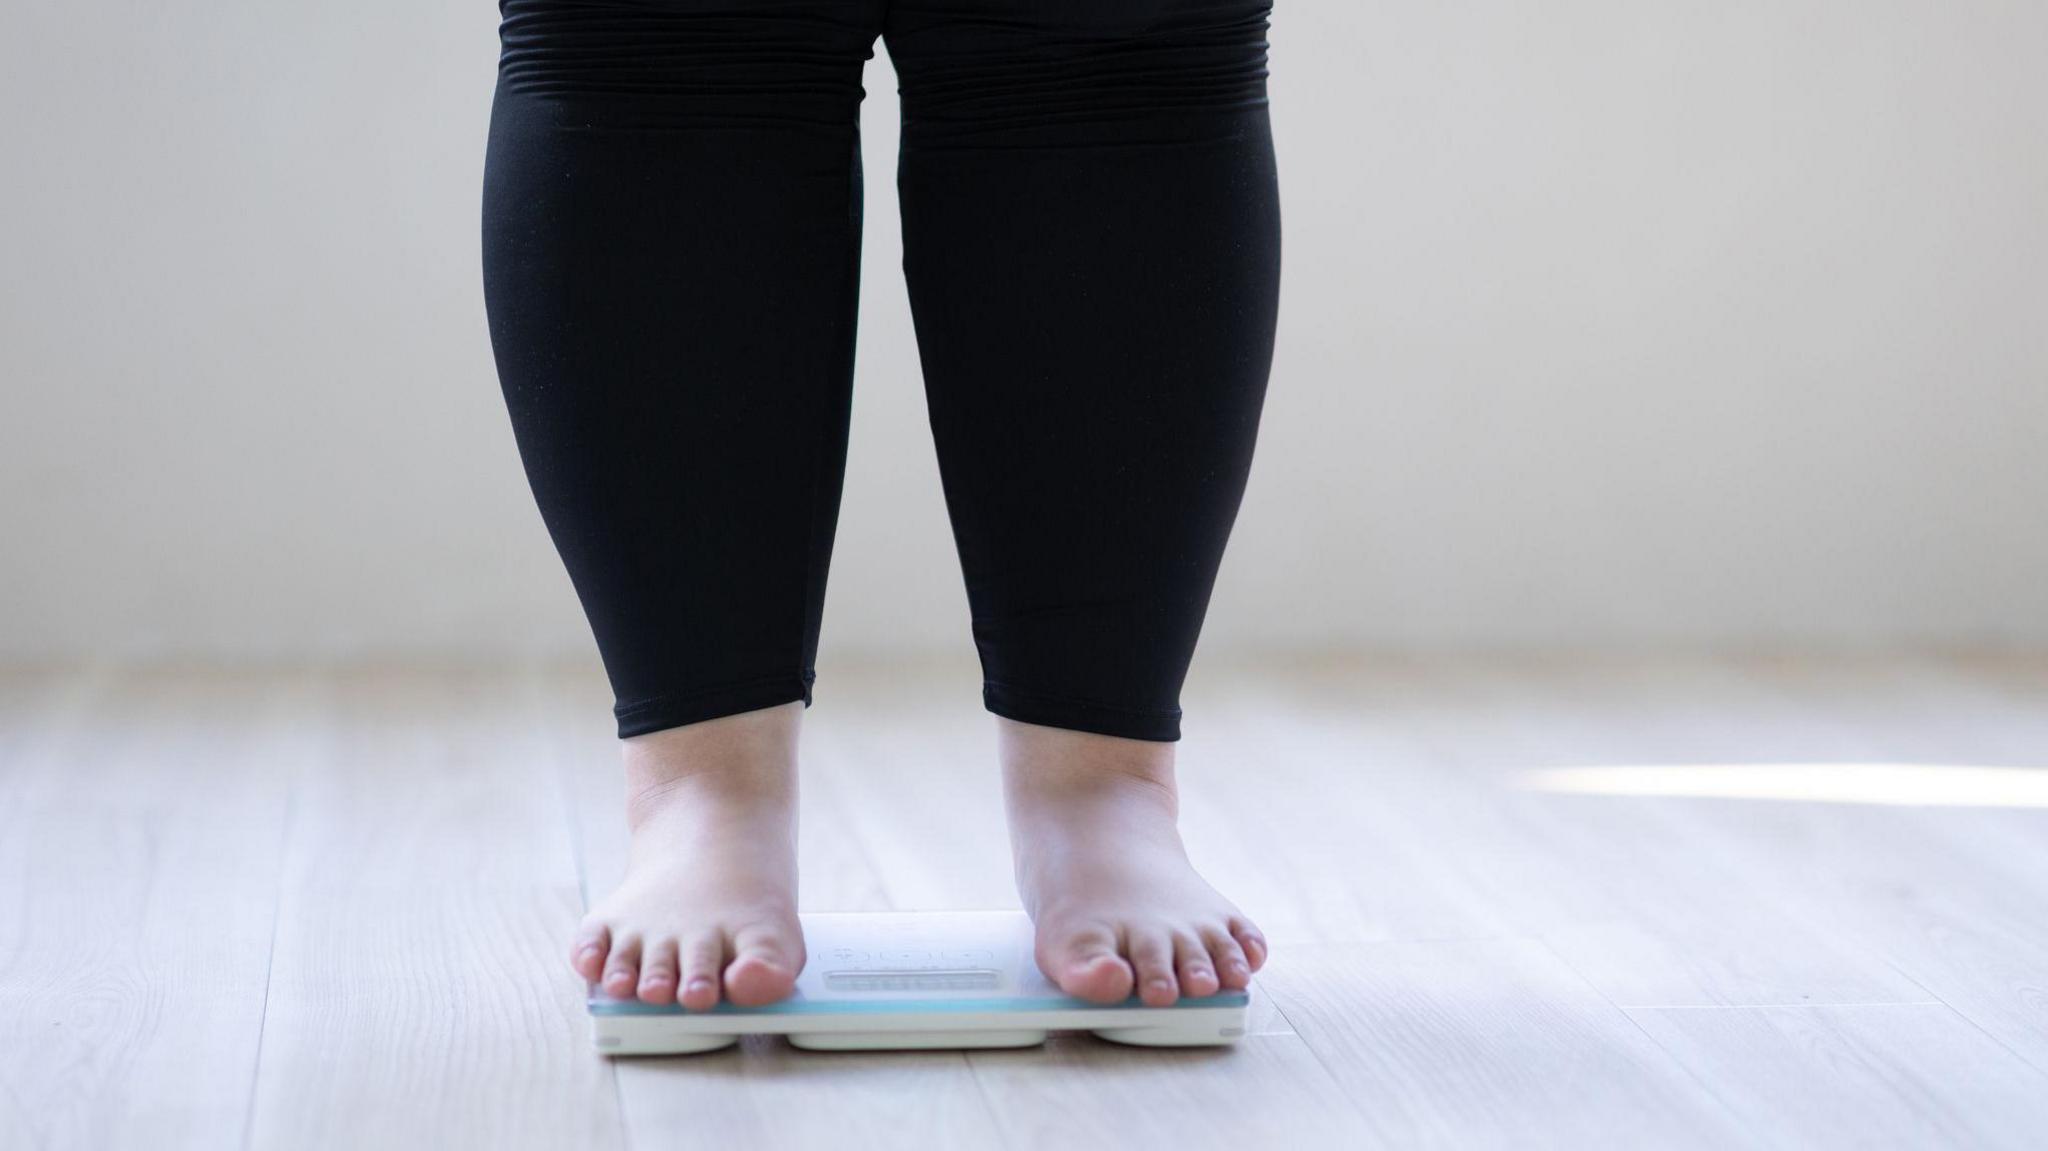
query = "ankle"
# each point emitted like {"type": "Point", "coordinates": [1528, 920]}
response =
{"type": "Point", "coordinates": [1048, 765]}
{"type": "Point", "coordinates": [738, 762]}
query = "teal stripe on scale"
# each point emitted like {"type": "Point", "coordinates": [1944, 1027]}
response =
{"type": "Point", "coordinates": [906, 1006]}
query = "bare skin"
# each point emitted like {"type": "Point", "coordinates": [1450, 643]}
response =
{"type": "Point", "coordinates": [1116, 905]}
{"type": "Point", "coordinates": [707, 910]}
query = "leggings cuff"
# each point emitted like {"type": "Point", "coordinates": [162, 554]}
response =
{"type": "Point", "coordinates": [1080, 715]}
{"type": "Point", "coordinates": [665, 711]}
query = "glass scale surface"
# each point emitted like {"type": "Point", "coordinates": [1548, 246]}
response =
{"type": "Point", "coordinates": [915, 980]}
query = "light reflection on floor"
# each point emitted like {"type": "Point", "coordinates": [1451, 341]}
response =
{"type": "Point", "coordinates": [1893, 784]}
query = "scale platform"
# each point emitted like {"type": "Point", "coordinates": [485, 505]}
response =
{"type": "Point", "coordinates": [882, 981]}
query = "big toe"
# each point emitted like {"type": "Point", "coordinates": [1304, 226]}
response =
{"type": "Point", "coordinates": [1098, 979]}
{"type": "Point", "coordinates": [764, 967]}
{"type": "Point", "coordinates": [1085, 965]}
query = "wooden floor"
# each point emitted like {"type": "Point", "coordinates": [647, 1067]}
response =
{"type": "Point", "coordinates": [1531, 903]}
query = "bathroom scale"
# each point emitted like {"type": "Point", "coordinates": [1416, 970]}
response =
{"type": "Point", "coordinates": [880, 981]}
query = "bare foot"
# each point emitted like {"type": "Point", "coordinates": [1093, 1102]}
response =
{"type": "Point", "coordinates": [708, 906]}
{"type": "Point", "coordinates": [1114, 900]}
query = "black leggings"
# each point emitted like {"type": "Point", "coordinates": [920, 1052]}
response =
{"type": "Point", "coordinates": [672, 214]}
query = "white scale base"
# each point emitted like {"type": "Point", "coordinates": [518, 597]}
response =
{"type": "Point", "coordinates": [883, 981]}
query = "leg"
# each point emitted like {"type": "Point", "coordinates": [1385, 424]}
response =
{"type": "Point", "coordinates": [671, 247]}
{"type": "Point", "coordinates": [1091, 236]}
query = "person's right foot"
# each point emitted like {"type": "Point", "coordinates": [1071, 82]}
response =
{"type": "Point", "coordinates": [708, 906]}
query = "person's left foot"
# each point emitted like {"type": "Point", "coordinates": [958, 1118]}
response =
{"type": "Point", "coordinates": [1115, 903]}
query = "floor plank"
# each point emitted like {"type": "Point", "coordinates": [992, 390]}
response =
{"type": "Point", "coordinates": [1949, 898]}
{"type": "Point", "coordinates": [417, 993]}
{"type": "Point", "coordinates": [907, 759]}
{"type": "Point", "coordinates": [1665, 909]}
{"type": "Point", "coordinates": [1268, 1091]}
{"type": "Point", "coordinates": [1488, 1043]}
{"type": "Point", "coordinates": [1881, 1076]}
{"type": "Point", "coordinates": [1952, 898]}
{"type": "Point", "coordinates": [767, 1094]}
{"type": "Point", "coordinates": [138, 885]}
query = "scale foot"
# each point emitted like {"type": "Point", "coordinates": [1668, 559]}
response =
{"type": "Point", "coordinates": [681, 1043]}
{"type": "Point", "coordinates": [1170, 1035]}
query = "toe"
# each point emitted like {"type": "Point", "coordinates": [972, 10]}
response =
{"type": "Point", "coordinates": [1192, 965]}
{"type": "Point", "coordinates": [702, 957]}
{"type": "Point", "coordinates": [1100, 979]}
{"type": "Point", "coordinates": [764, 966]}
{"type": "Point", "coordinates": [587, 953]}
{"type": "Point", "coordinates": [622, 970]}
{"type": "Point", "coordinates": [1233, 970]}
{"type": "Point", "coordinates": [1253, 943]}
{"type": "Point", "coordinates": [1152, 957]}
{"type": "Point", "coordinates": [658, 967]}
{"type": "Point", "coordinates": [1085, 964]}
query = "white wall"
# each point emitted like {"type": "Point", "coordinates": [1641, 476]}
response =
{"type": "Point", "coordinates": [1605, 324]}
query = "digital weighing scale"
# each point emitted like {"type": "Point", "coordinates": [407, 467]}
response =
{"type": "Point", "coordinates": [906, 980]}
